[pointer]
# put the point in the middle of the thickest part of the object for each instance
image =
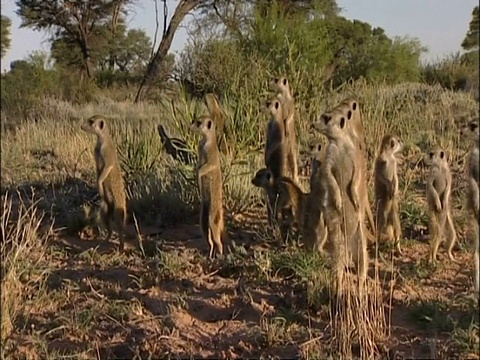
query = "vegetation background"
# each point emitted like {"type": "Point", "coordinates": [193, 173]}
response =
{"type": "Point", "coordinates": [66, 293]}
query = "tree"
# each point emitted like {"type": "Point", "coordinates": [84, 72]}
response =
{"type": "Point", "coordinates": [154, 65]}
{"type": "Point", "coordinates": [5, 35]}
{"type": "Point", "coordinates": [471, 40]}
{"type": "Point", "coordinates": [78, 19]}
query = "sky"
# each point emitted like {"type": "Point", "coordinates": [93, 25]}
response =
{"type": "Point", "coordinates": [440, 25]}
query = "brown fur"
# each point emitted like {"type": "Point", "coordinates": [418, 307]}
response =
{"type": "Point", "coordinates": [352, 107]}
{"type": "Point", "coordinates": [314, 232]}
{"type": "Point", "coordinates": [276, 146]}
{"type": "Point", "coordinates": [439, 185]}
{"type": "Point", "coordinates": [282, 86]}
{"type": "Point", "coordinates": [113, 205]}
{"type": "Point", "coordinates": [287, 198]}
{"type": "Point", "coordinates": [210, 185]}
{"type": "Point", "coordinates": [341, 206]}
{"type": "Point", "coordinates": [218, 116]}
{"type": "Point", "coordinates": [386, 191]}
{"type": "Point", "coordinates": [471, 132]}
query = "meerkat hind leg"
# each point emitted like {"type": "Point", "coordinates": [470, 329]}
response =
{"type": "Point", "coordinates": [119, 220]}
{"type": "Point", "coordinates": [397, 231]}
{"type": "Point", "coordinates": [451, 237]}
{"type": "Point", "coordinates": [105, 216]}
{"type": "Point", "coordinates": [205, 228]}
{"type": "Point", "coordinates": [435, 237]}
{"type": "Point", "coordinates": [216, 234]}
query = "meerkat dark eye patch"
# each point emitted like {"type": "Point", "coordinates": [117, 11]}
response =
{"type": "Point", "coordinates": [209, 124]}
{"type": "Point", "coordinates": [319, 147]}
{"type": "Point", "coordinates": [277, 105]}
{"type": "Point", "coordinates": [284, 81]}
{"type": "Point", "coordinates": [392, 143]}
{"type": "Point", "coordinates": [349, 115]}
{"type": "Point", "coordinates": [342, 122]}
{"type": "Point", "coordinates": [326, 118]}
{"type": "Point", "coordinates": [354, 106]}
{"type": "Point", "coordinates": [101, 124]}
{"type": "Point", "coordinates": [442, 154]}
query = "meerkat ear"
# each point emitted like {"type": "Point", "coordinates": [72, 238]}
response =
{"type": "Point", "coordinates": [473, 126]}
{"type": "Point", "coordinates": [326, 118]}
{"type": "Point", "coordinates": [342, 122]}
{"type": "Point", "coordinates": [349, 115]}
{"type": "Point", "coordinates": [101, 124]}
{"type": "Point", "coordinates": [431, 154]}
{"type": "Point", "coordinates": [354, 106]}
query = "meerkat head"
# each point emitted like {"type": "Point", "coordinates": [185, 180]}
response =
{"type": "Point", "coordinates": [351, 103]}
{"type": "Point", "coordinates": [316, 148]}
{"type": "Point", "coordinates": [391, 144]}
{"type": "Point", "coordinates": [263, 178]}
{"type": "Point", "coordinates": [274, 107]}
{"type": "Point", "coordinates": [95, 125]}
{"type": "Point", "coordinates": [332, 124]}
{"type": "Point", "coordinates": [280, 84]}
{"type": "Point", "coordinates": [470, 130]}
{"type": "Point", "coordinates": [436, 155]}
{"type": "Point", "coordinates": [203, 125]}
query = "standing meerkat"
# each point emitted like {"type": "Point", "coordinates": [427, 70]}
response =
{"type": "Point", "coordinates": [275, 147]}
{"type": "Point", "coordinates": [285, 96]}
{"type": "Point", "coordinates": [341, 203]}
{"type": "Point", "coordinates": [439, 185]}
{"type": "Point", "coordinates": [210, 185]}
{"type": "Point", "coordinates": [386, 191]}
{"type": "Point", "coordinates": [219, 118]}
{"type": "Point", "coordinates": [314, 232]}
{"type": "Point", "coordinates": [471, 132]}
{"type": "Point", "coordinates": [355, 129]}
{"type": "Point", "coordinates": [113, 203]}
{"type": "Point", "coordinates": [289, 199]}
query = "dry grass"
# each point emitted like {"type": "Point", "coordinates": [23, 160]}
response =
{"type": "Point", "coordinates": [65, 292]}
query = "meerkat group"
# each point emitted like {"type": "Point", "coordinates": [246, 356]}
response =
{"type": "Point", "coordinates": [333, 211]}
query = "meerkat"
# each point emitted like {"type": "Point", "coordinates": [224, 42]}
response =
{"type": "Point", "coordinates": [210, 184]}
{"type": "Point", "coordinates": [287, 197]}
{"type": "Point", "coordinates": [218, 116]}
{"type": "Point", "coordinates": [111, 189]}
{"type": "Point", "coordinates": [386, 191]}
{"type": "Point", "coordinates": [285, 96]}
{"type": "Point", "coordinates": [355, 130]}
{"type": "Point", "coordinates": [175, 147]}
{"type": "Point", "coordinates": [341, 203]}
{"type": "Point", "coordinates": [275, 146]}
{"type": "Point", "coordinates": [314, 232]}
{"type": "Point", "coordinates": [439, 184]}
{"type": "Point", "coordinates": [471, 132]}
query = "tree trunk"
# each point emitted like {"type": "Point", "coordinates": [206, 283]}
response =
{"type": "Point", "coordinates": [87, 60]}
{"type": "Point", "coordinates": [153, 66]}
